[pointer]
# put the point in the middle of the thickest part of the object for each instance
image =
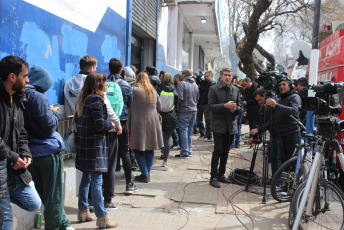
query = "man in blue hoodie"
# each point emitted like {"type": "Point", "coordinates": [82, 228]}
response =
{"type": "Point", "coordinates": [45, 144]}
{"type": "Point", "coordinates": [188, 95]}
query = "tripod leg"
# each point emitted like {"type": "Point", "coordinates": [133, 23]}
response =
{"type": "Point", "coordinates": [265, 176]}
{"type": "Point", "coordinates": [253, 162]}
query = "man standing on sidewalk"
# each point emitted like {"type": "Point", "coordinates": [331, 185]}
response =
{"type": "Point", "coordinates": [202, 107]}
{"type": "Point", "coordinates": [224, 103]}
{"type": "Point", "coordinates": [115, 68]}
{"type": "Point", "coordinates": [188, 95]}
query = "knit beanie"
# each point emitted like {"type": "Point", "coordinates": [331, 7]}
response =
{"type": "Point", "coordinates": [129, 72]}
{"type": "Point", "coordinates": [40, 78]}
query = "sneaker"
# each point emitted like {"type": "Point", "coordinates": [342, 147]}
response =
{"type": "Point", "coordinates": [130, 188]}
{"type": "Point", "coordinates": [182, 156]}
{"type": "Point", "coordinates": [215, 183]}
{"type": "Point", "coordinates": [209, 139]}
{"type": "Point", "coordinates": [237, 146]}
{"type": "Point", "coordinates": [175, 147]}
{"type": "Point", "coordinates": [110, 206]}
{"type": "Point", "coordinates": [143, 178]}
{"type": "Point", "coordinates": [162, 156]}
{"type": "Point", "coordinates": [165, 164]}
{"type": "Point", "coordinates": [223, 179]}
{"type": "Point", "coordinates": [202, 137]}
{"type": "Point", "coordinates": [134, 166]}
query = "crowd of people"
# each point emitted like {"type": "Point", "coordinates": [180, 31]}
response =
{"type": "Point", "coordinates": [124, 115]}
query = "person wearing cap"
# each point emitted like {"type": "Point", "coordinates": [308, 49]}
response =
{"type": "Point", "coordinates": [287, 128]}
{"type": "Point", "coordinates": [46, 145]}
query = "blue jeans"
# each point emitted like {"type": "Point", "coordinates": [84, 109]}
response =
{"type": "Point", "coordinates": [144, 160]}
{"type": "Point", "coordinates": [175, 138]}
{"type": "Point", "coordinates": [275, 156]}
{"type": "Point", "coordinates": [25, 196]}
{"type": "Point", "coordinates": [186, 123]}
{"type": "Point", "coordinates": [96, 180]}
{"type": "Point", "coordinates": [236, 139]}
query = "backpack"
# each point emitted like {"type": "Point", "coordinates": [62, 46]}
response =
{"type": "Point", "coordinates": [114, 94]}
{"type": "Point", "coordinates": [167, 101]}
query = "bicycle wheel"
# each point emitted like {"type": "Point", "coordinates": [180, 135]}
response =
{"type": "Point", "coordinates": [332, 218]}
{"type": "Point", "coordinates": [286, 174]}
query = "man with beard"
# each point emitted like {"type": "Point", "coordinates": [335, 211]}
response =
{"type": "Point", "coordinates": [14, 150]}
{"type": "Point", "coordinates": [287, 128]}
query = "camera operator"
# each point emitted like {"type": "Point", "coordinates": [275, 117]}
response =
{"type": "Point", "coordinates": [267, 117]}
{"type": "Point", "coordinates": [287, 129]}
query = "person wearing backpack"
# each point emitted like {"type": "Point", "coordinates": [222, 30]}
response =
{"type": "Point", "coordinates": [115, 68]}
{"type": "Point", "coordinates": [167, 93]}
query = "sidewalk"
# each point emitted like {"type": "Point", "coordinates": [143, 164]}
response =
{"type": "Point", "coordinates": [181, 197]}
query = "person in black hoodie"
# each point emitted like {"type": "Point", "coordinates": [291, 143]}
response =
{"type": "Point", "coordinates": [287, 128]}
{"type": "Point", "coordinates": [169, 119]}
{"type": "Point", "coordinates": [202, 106]}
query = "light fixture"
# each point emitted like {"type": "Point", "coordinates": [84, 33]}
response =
{"type": "Point", "coordinates": [203, 20]}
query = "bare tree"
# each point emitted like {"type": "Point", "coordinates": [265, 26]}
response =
{"type": "Point", "coordinates": [255, 17]}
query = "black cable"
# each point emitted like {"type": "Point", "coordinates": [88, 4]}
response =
{"type": "Point", "coordinates": [240, 177]}
{"type": "Point", "coordinates": [235, 213]}
{"type": "Point", "coordinates": [230, 200]}
{"type": "Point", "coordinates": [188, 214]}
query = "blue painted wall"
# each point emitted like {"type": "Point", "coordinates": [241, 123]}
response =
{"type": "Point", "coordinates": [44, 39]}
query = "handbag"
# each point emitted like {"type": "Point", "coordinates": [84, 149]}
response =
{"type": "Point", "coordinates": [71, 138]}
{"type": "Point", "coordinates": [70, 141]}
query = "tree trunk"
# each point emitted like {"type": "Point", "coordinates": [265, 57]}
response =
{"type": "Point", "coordinates": [252, 31]}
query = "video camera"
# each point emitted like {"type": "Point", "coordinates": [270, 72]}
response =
{"type": "Point", "coordinates": [269, 79]}
{"type": "Point", "coordinates": [328, 99]}
{"type": "Point", "coordinates": [327, 105]}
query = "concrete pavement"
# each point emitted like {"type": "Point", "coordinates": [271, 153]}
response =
{"type": "Point", "coordinates": [181, 197]}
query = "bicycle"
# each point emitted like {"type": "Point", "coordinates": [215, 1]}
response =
{"type": "Point", "coordinates": [327, 210]}
{"type": "Point", "coordinates": [291, 173]}
{"type": "Point", "coordinates": [318, 203]}
{"type": "Point", "coordinates": [294, 171]}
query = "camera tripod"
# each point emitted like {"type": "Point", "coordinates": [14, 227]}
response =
{"type": "Point", "coordinates": [266, 150]}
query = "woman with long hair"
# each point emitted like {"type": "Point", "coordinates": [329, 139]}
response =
{"type": "Point", "coordinates": [144, 125]}
{"type": "Point", "coordinates": [92, 147]}
{"type": "Point", "coordinates": [168, 97]}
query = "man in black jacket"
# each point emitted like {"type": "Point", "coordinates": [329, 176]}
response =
{"type": "Point", "coordinates": [287, 128]}
{"type": "Point", "coordinates": [250, 102]}
{"type": "Point", "coordinates": [202, 106]}
{"type": "Point", "coordinates": [14, 150]}
{"type": "Point", "coordinates": [224, 103]}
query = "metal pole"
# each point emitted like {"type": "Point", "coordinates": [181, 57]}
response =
{"type": "Point", "coordinates": [313, 65]}
{"type": "Point", "coordinates": [316, 25]}
{"type": "Point", "coordinates": [301, 208]}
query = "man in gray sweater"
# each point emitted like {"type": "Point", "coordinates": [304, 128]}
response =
{"type": "Point", "coordinates": [188, 95]}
